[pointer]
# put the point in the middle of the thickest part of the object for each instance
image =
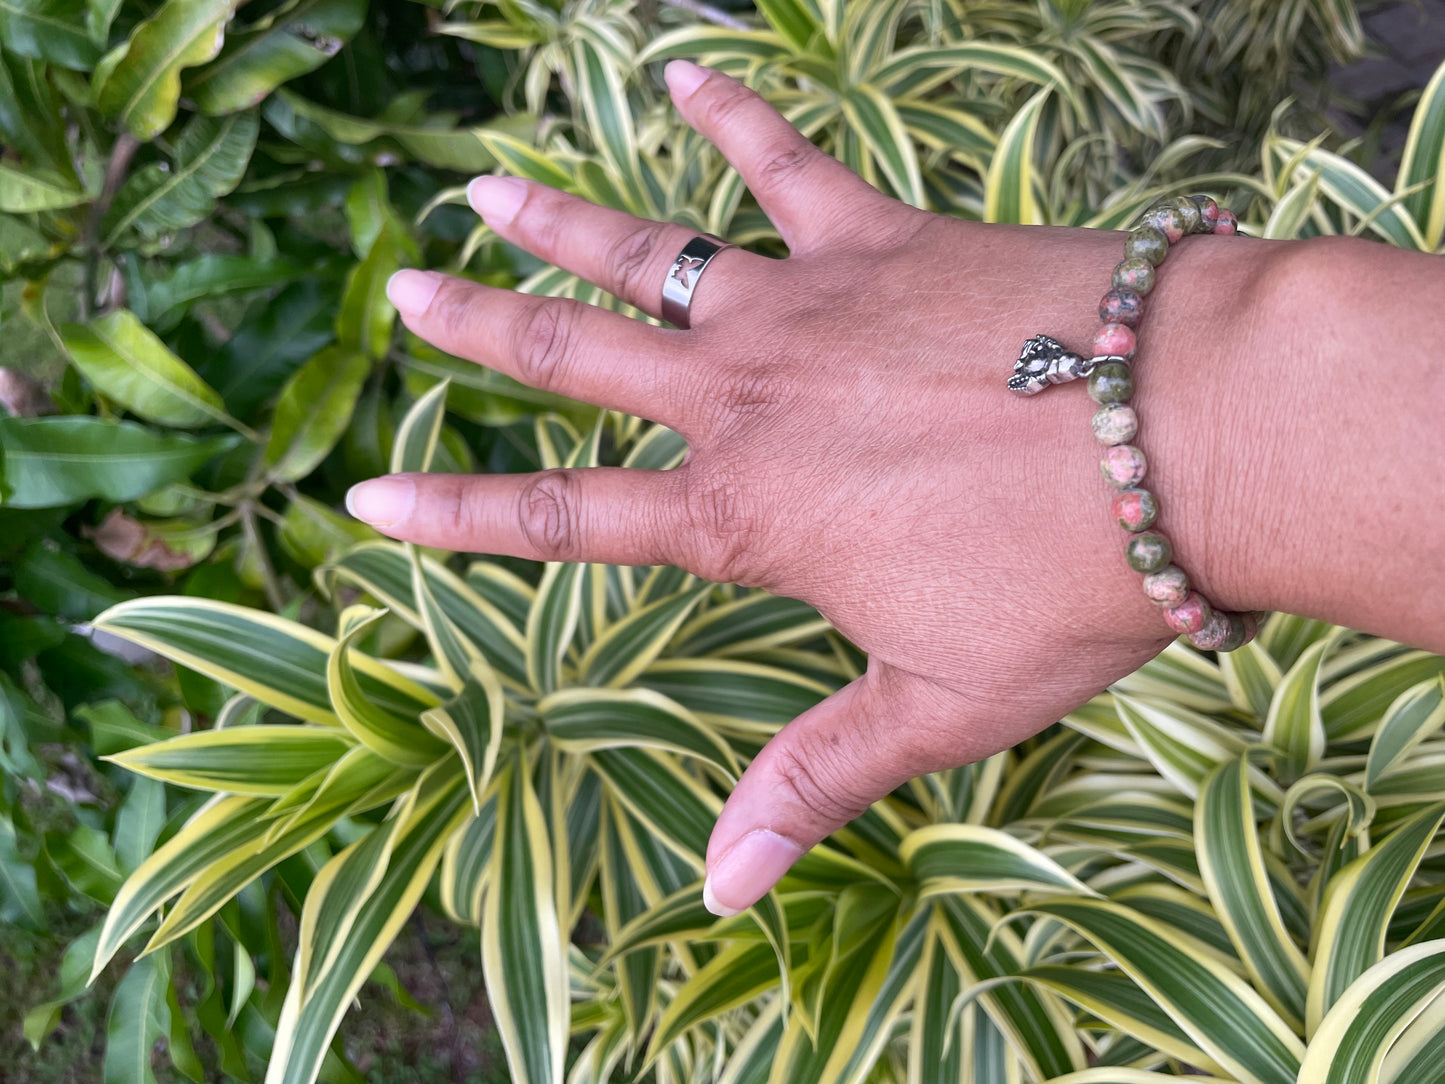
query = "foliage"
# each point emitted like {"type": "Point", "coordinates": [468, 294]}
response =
{"type": "Point", "coordinates": [199, 207]}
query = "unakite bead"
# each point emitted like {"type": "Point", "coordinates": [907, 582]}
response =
{"type": "Point", "coordinates": [1135, 509]}
{"type": "Point", "coordinates": [1168, 587]}
{"type": "Point", "coordinates": [1114, 340]}
{"type": "Point", "coordinates": [1123, 466]}
{"type": "Point", "coordinates": [1148, 552]}
{"type": "Point", "coordinates": [1208, 211]}
{"type": "Point", "coordinates": [1121, 306]}
{"type": "Point", "coordinates": [1214, 634]}
{"type": "Point", "coordinates": [1147, 243]}
{"type": "Point", "coordinates": [1115, 423]}
{"type": "Point", "coordinates": [1189, 210]}
{"type": "Point", "coordinates": [1241, 631]}
{"type": "Point", "coordinates": [1112, 382]}
{"type": "Point", "coordinates": [1227, 224]}
{"type": "Point", "coordinates": [1189, 616]}
{"type": "Point", "coordinates": [1135, 274]}
{"type": "Point", "coordinates": [1166, 219]}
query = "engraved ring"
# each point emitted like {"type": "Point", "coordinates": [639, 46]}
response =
{"type": "Point", "coordinates": [683, 275]}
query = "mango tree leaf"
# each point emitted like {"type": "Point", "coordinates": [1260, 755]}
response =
{"type": "Point", "coordinates": [23, 190]}
{"type": "Point", "coordinates": [128, 363]}
{"type": "Point", "coordinates": [50, 30]}
{"type": "Point", "coordinates": [209, 161]}
{"type": "Point", "coordinates": [313, 411]}
{"type": "Point", "coordinates": [53, 462]}
{"type": "Point", "coordinates": [19, 895]}
{"type": "Point", "coordinates": [139, 83]}
{"type": "Point", "coordinates": [291, 41]}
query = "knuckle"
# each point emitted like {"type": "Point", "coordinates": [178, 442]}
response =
{"type": "Point", "coordinates": [727, 103]}
{"type": "Point", "coordinates": [779, 167]}
{"type": "Point", "coordinates": [815, 775]}
{"type": "Point", "coordinates": [723, 530]}
{"type": "Point", "coordinates": [630, 255]}
{"type": "Point", "coordinates": [449, 311]}
{"type": "Point", "coordinates": [544, 341]}
{"type": "Point", "coordinates": [549, 515]}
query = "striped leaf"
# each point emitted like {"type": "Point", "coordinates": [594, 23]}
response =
{"type": "Point", "coordinates": [934, 1052]}
{"type": "Point", "coordinates": [628, 647]}
{"type": "Point", "coordinates": [1353, 1041]}
{"type": "Point", "coordinates": [681, 916]}
{"type": "Point", "coordinates": [303, 1035]}
{"type": "Point", "coordinates": [522, 943]}
{"type": "Point", "coordinates": [1358, 903]}
{"type": "Point", "coordinates": [656, 791]}
{"type": "Point", "coordinates": [1183, 746]}
{"type": "Point", "coordinates": [972, 858]}
{"type": "Point", "coordinates": [734, 977]}
{"type": "Point", "coordinates": [219, 827]}
{"type": "Point", "coordinates": [473, 722]}
{"type": "Point", "coordinates": [1416, 715]}
{"type": "Point", "coordinates": [465, 864]}
{"type": "Point", "coordinates": [733, 693]}
{"type": "Point", "coordinates": [416, 437]}
{"type": "Point", "coordinates": [875, 120]}
{"type": "Point", "coordinates": [395, 737]}
{"type": "Point", "coordinates": [1294, 725]}
{"type": "Point", "coordinates": [1009, 186]}
{"type": "Point", "coordinates": [755, 622]}
{"type": "Point", "coordinates": [1423, 163]}
{"type": "Point", "coordinates": [624, 899]}
{"type": "Point", "coordinates": [914, 70]}
{"type": "Point", "coordinates": [585, 720]}
{"type": "Point", "coordinates": [455, 654]}
{"type": "Point", "coordinates": [1231, 861]}
{"type": "Point", "coordinates": [1251, 675]}
{"type": "Point", "coordinates": [1222, 1014]}
{"type": "Point", "coordinates": [257, 760]}
{"type": "Point", "coordinates": [1355, 191]}
{"type": "Point", "coordinates": [551, 623]}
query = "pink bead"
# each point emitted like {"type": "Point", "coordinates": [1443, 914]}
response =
{"type": "Point", "coordinates": [1135, 509]}
{"type": "Point", "coordinates": [1209, 211]}
{"type": "Point", "coordinates": [1114, 340]}
{"type": "Point", "coordinates": [1227, 224]}
{"type": "Point", "coordinates": [1123, 466]}
{"type": "Point", "coordinates": [1168, 587]}
{"type": "Point", "coordinates": [1190, 616]}
{"type": "Point", "coordinates": [1214, 634]}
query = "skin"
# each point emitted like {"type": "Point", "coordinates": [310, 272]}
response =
{"type": "Point", "coordinates": [852, 445]}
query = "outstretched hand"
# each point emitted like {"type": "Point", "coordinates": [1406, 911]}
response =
{"type": "Point", "coordinates": [852, 445]}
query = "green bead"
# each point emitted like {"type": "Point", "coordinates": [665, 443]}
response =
{"type": "Point", "coordinates": [1146, 243]}
{"type": "Point", "coordinates": [1189, 210]}
{"type": "Point", "coordinates": [1165, 218]}
{"type": "Point", "coordinates": [1112, 382]}
{"type": "Point", "coordinates": [1148, 552]}
{"type": "Point", "coordinates": [1134, 273]}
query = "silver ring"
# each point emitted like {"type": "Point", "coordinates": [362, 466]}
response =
{"type": "Point", "coordinates": [683, 276]}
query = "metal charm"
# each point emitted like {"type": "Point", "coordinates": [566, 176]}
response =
{"type": "Point", "coordinates": [1044, 361]}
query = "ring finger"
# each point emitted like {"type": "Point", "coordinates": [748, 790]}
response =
{"type": "Point", "coordinates": [628, 257]}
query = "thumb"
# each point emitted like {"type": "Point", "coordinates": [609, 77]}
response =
{"type": "Point", "coordinates": [823, 770]}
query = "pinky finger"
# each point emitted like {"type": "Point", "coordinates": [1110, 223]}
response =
{"type": "Point", "coordinates": [607, 515]}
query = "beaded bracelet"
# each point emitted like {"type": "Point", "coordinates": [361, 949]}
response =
{"type": "Point", "coordinates": [1111, 384]}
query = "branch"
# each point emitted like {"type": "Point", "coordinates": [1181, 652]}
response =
{"type": "Point", "coordinates": [115, 170]}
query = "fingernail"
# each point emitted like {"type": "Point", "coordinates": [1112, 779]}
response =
{"type": "Point", "coordinates": [497, 199]}
{"type": "Point", "coordinates": [683, 77]}
{"type": "Point", "coordinates": [411, 291]}
{"type": "Point", "coordinates": [745, 873]}
{"type": "Point", "coordinates": [382, 501]}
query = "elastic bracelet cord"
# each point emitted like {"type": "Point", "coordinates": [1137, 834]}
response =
{"type": "Point", "coordinates": [1110, 375]}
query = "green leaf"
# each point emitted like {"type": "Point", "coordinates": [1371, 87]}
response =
{"type": "Point", "coordinates": [473, 722]}
{"type": "Point", "coordinates": [260, 760]}
{"type": "Point", "coordinates": [1354, 918]}
{"type": "Point", "coordinates": [139, 1018]}
{"type": "Point", "coordinates": [128, 363]}
{"type": "Point", "coordinates": [677, 808]}
{"type": "Point", "coordinates": [416, 437]}
{"type": "Point", "coordinates": [396, 736]}
{"type": "Point", "coordinates": [1416, 715]}
{"type": "Point", "coordinates": [297, 38]}
{"type": "Point", "coordinates": [54, 462]}
{"type": "Point", "coordinates": [1353, 706]}
{"type": "Point", "coordinates": [1183, 746]}
{"type": "Point", "coordinates": [139, 83]}
{"type": "Point", "coordinates": [1221, 1013]}
{"type": "Point", "coordinates": [873, 117]}
{"type": "Point", "coordinates": [629, 646]}
{"type": "Point", "coordinates": [423, 824]}
{"type": "Point", "coordinates": [584, 720]}
{"type": "Point", "coordinates": [522, 943]}
{"type": "Point", "coordinates": [58, 582]}
{"type": "Point", "coordinates": [49, 30]}
{"type": "Point", "coordinates": [366, 317]}
{"type": "Point", "coordinates": [1423, 163]}
{"type": "Point", "coordinates": [19, 894]}
{"type": "Point", "coordinates": [1251, 675]}
{"type": "Point", "coordinates": [735, 976]}
{"type": "Point", "coordinates": [551, 623]}
{"type": "Point", "coordinates": [314, 410]}
{"type": "Point", "coordinates": [733, 693]}
{"type": "Point", "coordinates": [1294, 725]}
{"type": "Point", "coordinates": [25, 190]}
{"type": "Point", "coordinates": [210, 158]}
{"type": "Point", "coordinates": [1009, 185]}
{"type": "Point", "coordinates": [1353, 1041]}
{"type": "Point", "coordinates": [1231, 862]}
{"type": "Point", "coordinates": [972, 858]}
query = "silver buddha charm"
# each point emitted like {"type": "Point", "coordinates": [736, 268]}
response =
{"type": "Point", "coordinates": [1044, 361]}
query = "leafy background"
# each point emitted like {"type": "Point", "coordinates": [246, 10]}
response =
{"type": "Point", "coordinates": [199, 207]}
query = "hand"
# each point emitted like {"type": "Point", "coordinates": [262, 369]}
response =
{"type": "Point", "coordinates": [852, 444]}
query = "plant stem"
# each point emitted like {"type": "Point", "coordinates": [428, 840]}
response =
{"type": "Point", "coordinates": [115, 170]}
{"type": "Point", "coordinates": [269, 582]}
